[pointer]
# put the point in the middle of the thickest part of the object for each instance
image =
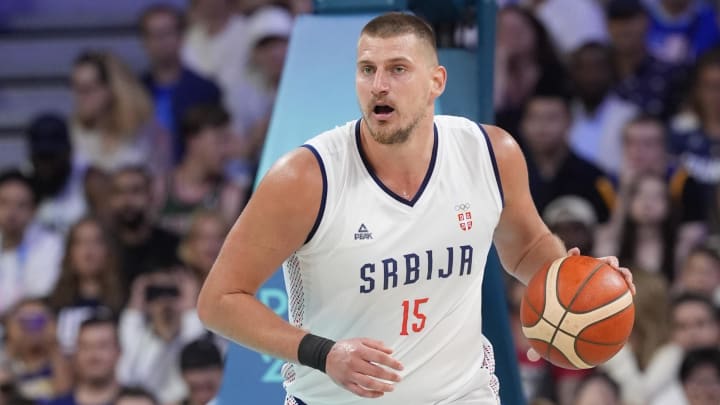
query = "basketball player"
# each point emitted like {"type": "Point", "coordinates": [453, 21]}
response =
{"type": "Point", "coordinates": [383, 225]}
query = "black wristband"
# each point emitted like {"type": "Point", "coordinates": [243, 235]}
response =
{"type": "Point", "coordinates": [313, 351]}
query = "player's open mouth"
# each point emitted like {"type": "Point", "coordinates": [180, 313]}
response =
{"type": "Point", "coordinates": [383, 111]}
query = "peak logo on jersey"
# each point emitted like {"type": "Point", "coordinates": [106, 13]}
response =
{"type": "Point", "coordinates": [363, 233]}
{"type": "Point", "coordinates": [464, 216]}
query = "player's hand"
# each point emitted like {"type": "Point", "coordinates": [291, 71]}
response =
{"type": "Point", "coordinates": [357, 365]}
{"type": "Point", "coordinates": [615, 264]}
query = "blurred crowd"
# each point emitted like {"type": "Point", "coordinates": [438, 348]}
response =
{"type": "Point", "coordinates": [107, 233]}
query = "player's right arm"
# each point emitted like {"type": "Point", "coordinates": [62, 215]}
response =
{"type": "Point", "coordinates": [275, 223]}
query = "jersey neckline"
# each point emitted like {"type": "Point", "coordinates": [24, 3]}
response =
{"type": "Point", "coordinates": [383, 187]}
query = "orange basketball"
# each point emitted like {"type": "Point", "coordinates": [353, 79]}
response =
{"type": "Point", "coordinates": [577, 312]}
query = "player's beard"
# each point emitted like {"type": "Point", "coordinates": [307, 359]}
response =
{"type": "Point", "coordinates": [388, 137]}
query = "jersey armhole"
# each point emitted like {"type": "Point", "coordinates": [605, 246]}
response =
{"type": "Point", "coordinates": [323, 199]}
{"type": "Point", "coordinates": [494, 163]}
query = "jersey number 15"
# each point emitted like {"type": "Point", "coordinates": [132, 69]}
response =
{"type": "Point", "coordinates": [419, 316]}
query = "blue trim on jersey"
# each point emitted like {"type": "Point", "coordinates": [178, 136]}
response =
{"type": "Point", "coordinates": [494, 163]}
{"type": "Point", "coordinates": [299, 402]}
{"type": "Point", "coordinates": [323, 200]}
{"type": "Point", "coordinates": [392, 194]}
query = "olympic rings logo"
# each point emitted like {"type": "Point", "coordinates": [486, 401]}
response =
{"type": "Point", "coordinates": [462, 207]}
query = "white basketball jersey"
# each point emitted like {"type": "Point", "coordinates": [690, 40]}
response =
{"type": "Point", "coordinates": [407, 273]}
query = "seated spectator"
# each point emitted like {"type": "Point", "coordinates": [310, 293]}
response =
{"type": "Point", "coordinates": [9, 394]}
{"type": "Point", "coordinates": [29, 255]}
{"type": "Point", "coordinates": [160, 319]}
{"type": "Point", "coordinates": [700, 376]}
{"type": "Point", "coordinates": [641, 366]}
{"type": "Point", "coordinates": [695, 324]}
{"type": "Point", "coordinates": [144, 246]}
{"type": "Point", "coordinates": [174, 87]}
{"type": "Point", "coordinates": [215, 43]}
{"type": "Point", "coordinates": [649, 83]}
{"type": "Point", "coordinates": [597, 389]}
{"type": "Point", "coordinates": [201, 365]}
{"type": "Point", "coordinates": [89, 279]}
{"type": "Point", "coordinates": [95, 360]}
{"type": "Point", "coordinates": [135, 396]}
{"type": "Point", "coordinates": [198, 182]}
{"type": "Point", "coordinates": [524, 56]}
{"type": "Point", "coordinates": [700, 273]}
{"type": "Point", "coordinates": [573, 220]}
{"type": "Point", "coordinates": [57, 178]}
{"type": "Point", "coordinates": [38, 365]}
{"type": "Point", "coordinates": [647, 237]}
{"type": "Point", "coordinates": [554, 169]}
{"type": "Point", "coordinates": [681, 30]}
{"type": "Point", "coordinates": [113, 122]}
{"type": "Point", "coordinates": [598, 115]}
{"type": "Point", "coordinates": [201, 244]}
{"type": "Point", "coordinates": [251, 102]}
{"type": "Point", "coordinates": [695, 140]}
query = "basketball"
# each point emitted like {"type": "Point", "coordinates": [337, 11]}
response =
{"type": "Point", "coordinates": [577, 312]}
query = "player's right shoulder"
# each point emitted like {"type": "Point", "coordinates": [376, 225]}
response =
{"type": "Point", "coordinates": [297, 171]}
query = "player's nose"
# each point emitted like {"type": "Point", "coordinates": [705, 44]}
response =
{"type": "Point", "coordinates": [380, 83]}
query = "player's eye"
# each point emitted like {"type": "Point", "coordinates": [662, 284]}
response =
{"type": "Point", "coordinates": [399, 69]}
{"type": "Point", "coordinates": [367, 70]}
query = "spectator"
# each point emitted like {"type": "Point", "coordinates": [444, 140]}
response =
{"type": "Point", "coordinates": [645, 152]}
{"type": "Point", "coordinates": [573, 220]}
{"type": "Point", "coordinates": [201, 365]}
{"type": "Point", "coordinates": [695, 324]}
{"type": "Point", "coordinates": [647, 236]}
{"type": "Point", "coordinates": [215, 43]}
{"type": "Point", "coordinates": [649, 83]}
{"type": "Point", "coordinates": [29, 254]}
{"type": "Point", "coordinates": [89, 279]}
{"type": "Point", "coordinates": [641, 366]}
{"type": "Point", "coordinates": [135, 396]}
{"type": "Point", "coordinates": [681, 30]}
{"type": "Point", "coordinates": [524, 56]}
{"type": "Point", "coordinates": [201, 244]}
{"type": "Point", "coordinates": [98, 351]}
{"type": "Point", "coordinates": [8, 391]}
{"type": "Point", "coordinates": [700, 273]}
{"type": "Point", "coordinates": [36, 361]}
{"type": "Point", "coordinates": [696, 137]}
{"type": "Point", "coordinates": [598, 114]}
{"type": "Point", "coordinates": [58, 180]}
{"type": "Point", "coordinates": [554, 169]}
{"type": "Point", "coordinates": [174, 87]}
{"type": "Point", "coordinates": [597, 389]}
{"type": "Point", "coordinates": [700, 376]}
{"type": "Point", "coordinates": [159, 320]}
{"type": "Point", "coordinates": [144, 246]}
{"type": "Point", "coordinates": [199, 181]}
{"type": "Point", "coordinates": [571, 23]}
{"type": "Point", "coordinates": [113, 123]}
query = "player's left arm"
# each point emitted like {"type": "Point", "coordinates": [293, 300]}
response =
{"type": "Point", "coordinates": [523, 241]}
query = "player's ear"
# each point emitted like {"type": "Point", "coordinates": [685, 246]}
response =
{"type": "Point", "coordinates": [439, 78]}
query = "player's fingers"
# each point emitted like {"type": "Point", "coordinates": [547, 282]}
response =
{"type": "Point", "coordinates": [376, 371]}
{"type": "Point", "coordinates": [371, 384]}
{"type": "Point", "coordinates": [362, 392]}
{"type": "Point", "coordinates": [376, 344]}
{"type": "Point", "coordinates": [611, 260]}
{"type": "Point", "coordinates": [379, 357]}
{"type": "Point", "coordinates": [574, 252]}
{"type": "Point", "coordinates": [628, 278]}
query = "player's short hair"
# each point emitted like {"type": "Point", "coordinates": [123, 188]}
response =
{"type": "Point", "coordinates": [202, 117]}
{"type": "Point", "coordinates": [161, 8]}
{"type": "Point", "coordinates": [708, 356]}
{"type": "Point", "coordinates": [395, 24]}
